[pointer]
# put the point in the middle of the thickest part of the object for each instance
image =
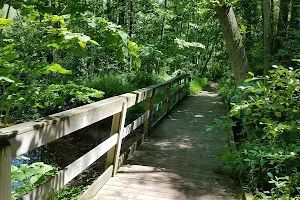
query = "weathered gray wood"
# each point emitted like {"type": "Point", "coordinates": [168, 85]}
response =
{"type": "Point", "coordinates": [31, 135]}
{"type": "Point", "coordinates": [131, 99]}
{"type": "Point", "coordinates": [27, 136]}
{"type": "Point", "coordinates": [71, 171]}
{"type": "Point", "coordinates": [114, 129]}
{"type": "Point", "coordinates": [119, 142]}
{"type": "Point", "coordinates": [168, 93]}
{"type": "Point", "coordinates": [135, 124]}
{"type": "Point", "coordinates": [97, 185]}
{"type": "Point", "coordinates": [131, 149]}
{"type": "Point", "coordinates": [162, 174]}
{"type": "Point", "coordinates": [5, 170]}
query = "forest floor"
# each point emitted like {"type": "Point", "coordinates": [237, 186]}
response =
{"type": "Point", "coordinates": [178, 161]}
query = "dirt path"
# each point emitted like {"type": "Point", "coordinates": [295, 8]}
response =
{"type": "Point", "coordinates": [177, 161]}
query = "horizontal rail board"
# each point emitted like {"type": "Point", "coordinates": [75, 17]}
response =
{"type": "Point", "coordinates": [97, 185]}
{"type": "Point", "coordinates": [131, 99]}
{"type": "Point", "coordinates": [135, 124]}
{"type": "Point", "coordinates": [31, 135]}
{"type": "Point", "coordinates": [71, 171]}
{"type": "Point", "coordinates": [159, 105]}
{"type": "Point", "coordinates": [147, 92]}
{"type": "Point", "coordinates": [36, 134]}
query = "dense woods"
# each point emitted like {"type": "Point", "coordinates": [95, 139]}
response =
{"type": "Point", "coordinates": [56, 55]}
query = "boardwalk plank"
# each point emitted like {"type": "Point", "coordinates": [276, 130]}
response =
{"type": "Point", "coordinates": [177, 162]}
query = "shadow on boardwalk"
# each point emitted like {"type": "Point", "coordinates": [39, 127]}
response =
{"type": "Point", "coordinates": [177, 161]}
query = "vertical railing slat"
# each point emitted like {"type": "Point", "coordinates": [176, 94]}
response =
{"type": "Point", "coordinates": [5, 170]}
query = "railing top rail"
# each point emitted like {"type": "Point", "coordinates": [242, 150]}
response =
{"type": "Point", "coordinates": [30, 135]}
{"type": "Point", "coordinates": [21, 138]}
{"type": "Point", "coordinates": [8, 132]}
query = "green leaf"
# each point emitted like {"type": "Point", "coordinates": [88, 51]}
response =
{"type": "Point", "coordinates": [4, 23]}
{"type": "Point", "coordinates": [251, 74]}
{"type": "Point", "coordinates": [82, 44]}
{"type": "Point", "coordinates": [278, 114]}
{"type": "Point", "coordinates": [11, 57]}
{"type": "Point", "coordinates": [270, 174]}
{"type": "Point", "coordinates": [94, 42]}
{"type": "Point", "coordinates": [5, 79]}
{"type": "Point", "coordinates": [56, 68]}
{"type": "Point", "coordinates": [33, 179]}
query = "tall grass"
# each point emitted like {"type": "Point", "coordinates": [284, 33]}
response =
{"type": "Point", "coordinates": [198, 84]}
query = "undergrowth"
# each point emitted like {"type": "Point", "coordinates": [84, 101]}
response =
{"type": "Point", "coordinates": [198, 84]}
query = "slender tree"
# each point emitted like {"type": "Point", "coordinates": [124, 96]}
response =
{"type": "Point", "coordinates": [131, 21]}
{"type": "Point", "coordinates": [294, 14]}
{"type": "Point", "coordinates": [267, 29]}
{"type": "Point", "coordinates": [163, 22]}
{"type": "Point", "coordinates": [234, 42]}
{"type": "Point", "coordinates": [283, 17]}
{"type": "Point", "coordinates": [122, 7]}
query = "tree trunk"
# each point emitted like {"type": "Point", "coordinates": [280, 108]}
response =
{"type": "Point", "coordinates": [294, 14]}
{"type": "Point", "coordinates": [8, 10]}
{"type": "Point", "coordinates": [267, 29]}
{"type": "Point", "coordinates": [163, 23]}
{"type": "Point", "coordinates": [283, 18]}
{"type": "Point", "coordinates": [131, 21]}
{"type": "Point", "coordinates": [121, 20]}
{"type": "Point", "coordinates": [108, 10]}
{"type": "Point", "coordinates": [234, 42]}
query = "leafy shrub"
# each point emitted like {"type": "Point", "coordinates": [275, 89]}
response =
{"type": "Point", "coordinates": [46, 100]}
{"type": "Point", "coordinates": [144, 79]}
{"type": "Point", "coordinates": [67, 193]}
{"type": "Point", "coordinates": [263, 163]}
{"type": "Point", "coordinates": [272, 108]}
{"type": "Point", "coordinates": [266, 112]}
{"type": "Point", "coordinates": [27, 177]}
{"type": "Point", "coordinates": [198, 84]}
{"type": "Point", "coordinates": [111, 84]}
{"type": "Point", "coordinates": [227, 89]}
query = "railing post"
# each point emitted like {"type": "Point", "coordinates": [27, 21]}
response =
{"type": "Point", "coordinates": [5, 170]}
{"type": "Point", "coordinates": [116, 128]}
{"type": "Point", "coordinates": [184, 87]}
{"type": "Point", "coordinates": [149, 107]}
{"type": "Point", "coordinates": [168, 94]}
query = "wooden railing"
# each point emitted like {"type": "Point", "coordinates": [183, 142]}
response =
{"type": "Point", "coordinates": [21, 138]}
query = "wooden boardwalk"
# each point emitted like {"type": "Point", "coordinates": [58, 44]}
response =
{"type": "Point", "coordinates": [177, 161]}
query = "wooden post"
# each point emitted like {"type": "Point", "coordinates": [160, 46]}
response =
{"type": "Point", "coordinates": [5, 170]}
{"type": "Point", "coordinates": [168, 94]}
{"type": "Point", "coordinates": [149, 107]}
{"type": "Point", "coordinates": [117, 128]}
{"type": "Point", "coordinates": [184, 87]}
{"type": "Point", "coordinates": [114, 129]}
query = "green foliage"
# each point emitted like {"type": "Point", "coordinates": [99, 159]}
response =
{"type": "Point", "coordinates": [269, 167]}
{"type": "Point", "coordinates": [26, 177]}
{"type": "Point", "coordinates": [112, 84]}
{"type": "Point", "coordinates": [227, 90]}
{"type": "Point", "coordinates": [58, 98]}
{"type": "Point", "coordinates": [144, 79]}
{"type": "Point", "coordinates": [271, 109]}
{"type": "Point", "coordinates": [264, 115]}
{"type": "Point", "coordinates": [67, 193]}
{"type": "Point", "coordinates": [115, 84]}
{"type": "Point", "coordinates": [198, 84]}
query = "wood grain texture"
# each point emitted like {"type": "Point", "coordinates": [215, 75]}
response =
{"type": "Point", "coordinates": [177, 162]}
{"type": "Point", "coordinates": [28, 136]}
{"type": "Point", "coordinates": [5, 162]}
{"type": "Point", "coordinates": [71, 171]}
{"type": "Point", "coordinates": [97, 185]}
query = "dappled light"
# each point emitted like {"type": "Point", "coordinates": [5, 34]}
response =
{"type": "Point", "coordinates": [177, 161]}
